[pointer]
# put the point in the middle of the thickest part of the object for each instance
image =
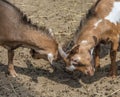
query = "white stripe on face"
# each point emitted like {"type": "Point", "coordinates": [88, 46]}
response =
{"type": "Point", "coordinates": [114, 15]}
{"type": "Point", "coordinates": [92, 50]}
{"type": "Point", "coordinates": [72, 62]}
{"type": "Point", "coordinates": [84, 41]}
{"type": "Point", "coordinates": [71, 68]}
{"type": "Point", "coordinates": [75, 60]}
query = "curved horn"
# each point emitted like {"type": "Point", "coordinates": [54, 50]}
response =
{"type": "Point", "coordinates": [61, 52]}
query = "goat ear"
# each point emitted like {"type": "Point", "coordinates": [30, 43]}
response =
{"type": "Point", "coordinates": [74, 49]}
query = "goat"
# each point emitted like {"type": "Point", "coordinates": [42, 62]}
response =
{"type": "Point", "coordinates": [16, 30]}
{"type": "Point", "coordinates": [102, 23]}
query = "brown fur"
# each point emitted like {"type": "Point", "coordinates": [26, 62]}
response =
{"type": "Point", "coordinates": [105, 31]}
{"type": "Point", "coordinates": [16, 30]}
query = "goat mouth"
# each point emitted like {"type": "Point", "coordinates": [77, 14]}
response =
{"type": "Point", "coordinates": [79, 65]}
{"type": "Point", "coordinates": [90, 72]}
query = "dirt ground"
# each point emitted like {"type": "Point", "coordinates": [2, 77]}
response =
{"type": "Point", "coordinates": [36, 77]}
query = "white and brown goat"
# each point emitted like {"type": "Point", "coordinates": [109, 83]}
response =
{"type": "Point", "coordinates": [102, 24]}
{"type": "Point", "coordinates": [16, 30]}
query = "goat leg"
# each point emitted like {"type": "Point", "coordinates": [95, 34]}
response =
{"type": "Point", "coordinates": [113, 67]}
{"type": "Point", "coordinates": [96, 57]}
{"type": "Point", "coordinates": [11, 69]}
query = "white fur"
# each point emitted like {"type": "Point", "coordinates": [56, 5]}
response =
{"type": "Point", "coordinates": [72, 62]}
{"type": "Point", "coordinates": [51, 32]}
{"type": "Point", "coordinates": [71, 68]}
{"type": "Point", "coordinates": [50, 57]}
{"type": "Point", "coordinates": [92, 56]}
{"type": "Point", "coordinates": [97, 23]}
{"type": "Point", "coordinates": [118, 36]}
{"type": "Point", "coordinates": [84, 41]}
{"type": "Point", "coordinates": [114, 15]}
{"type": "Point", "coordinates": [77, 60]}
{"type": "Point", "coordinates": [92, 50]}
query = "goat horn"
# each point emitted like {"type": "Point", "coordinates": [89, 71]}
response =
{"type": "Point", "coordinates": [61, 52]}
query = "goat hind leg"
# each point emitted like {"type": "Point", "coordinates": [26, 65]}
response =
{"type": "Point", "coordinates": [11, 69]}
{"type": "Point", "coordinates": [113, 52]}
{"type": "Point", "coordinates": [96, 57]}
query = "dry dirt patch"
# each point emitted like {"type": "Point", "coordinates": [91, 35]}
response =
{"type": "Point", "coordinates": [36, 77]}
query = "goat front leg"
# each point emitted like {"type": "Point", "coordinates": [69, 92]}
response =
{"type": "Point", "coordinates": [96, 57]}
{"type": "Point", "coordinates": [113, 66]}
{"type": "Point", "coordinates": [11, 69]}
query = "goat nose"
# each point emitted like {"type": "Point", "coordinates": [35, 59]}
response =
{"type": "Point", "coordinates": [90, 71]}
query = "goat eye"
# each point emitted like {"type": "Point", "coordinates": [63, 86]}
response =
{"type": "Point", "coordinates": [75, 61]}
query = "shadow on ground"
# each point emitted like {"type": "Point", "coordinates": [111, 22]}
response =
{"type": "Point", "coordinates": [12, 87]}
{"type": "Point", "coordinates": [60, 76]}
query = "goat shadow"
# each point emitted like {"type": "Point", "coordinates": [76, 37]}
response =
{"type": "Point", "coordinates": [100, 73]}
{"type": "Point", "coordinates": [104, 71]}
{"type": "Point", "coordinates": [58, 76]}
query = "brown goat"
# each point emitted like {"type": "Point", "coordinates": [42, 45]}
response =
{"type": "Point", "coordinates": [102, 23]}
{"type": "Point", "coordinates": [16, 30]}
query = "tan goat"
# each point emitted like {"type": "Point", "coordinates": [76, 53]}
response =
{"type": "Point", "coordinates": [101, 24]}
{"type": "Point", "coordinates": [16, 30]}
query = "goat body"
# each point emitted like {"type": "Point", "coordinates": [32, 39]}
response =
{"type": "Point", "coordinates": [102, 25]}
{"type": "Point", "coordinates": [16, 30]}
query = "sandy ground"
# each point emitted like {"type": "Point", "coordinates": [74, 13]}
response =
{"type": "Point", "coordinates": [36, 77]}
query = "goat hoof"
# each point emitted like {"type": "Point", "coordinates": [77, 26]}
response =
{"type": "Point", "coordinates": [112, 74]}
{"type": "Point", "coordinates": [13, 73]}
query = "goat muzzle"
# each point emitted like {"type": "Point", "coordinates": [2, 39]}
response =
{"type": "Point", "coordinates": [90, 71]}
